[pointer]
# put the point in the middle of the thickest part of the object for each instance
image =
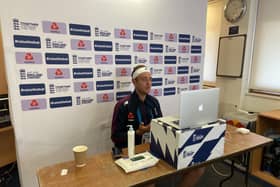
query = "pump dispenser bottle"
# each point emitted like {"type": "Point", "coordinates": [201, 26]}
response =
{"type": "Point", "coordinates": [130, 140]}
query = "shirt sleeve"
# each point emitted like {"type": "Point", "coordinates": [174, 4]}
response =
{"type": "Point", "coordinates": [119, 129]}
{"type": "Point", "coordinates": [158, 112]}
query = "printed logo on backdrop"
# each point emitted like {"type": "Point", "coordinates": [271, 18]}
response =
{"type": "Point", "coordinates": [171, 37]}
{"type": "Point", "coordinates": [33, 104]}
{"type": "Point", "coordinates": [196, 39]}
{"type": "Point", "coordinates": [156, 48]}
{"type": "Point", "coordinates": [57, 58]}
{"type": "Point", "coordinates": [182, 79]}
{"type": "Point", "coordinates": [28, 58]}
{"type": "Point", "coordinates": [156, 71]}
{"type": "Point", "coordinates": [103, 45]}
{"type": "Point", "coordinates": [184, 38]}
{"type": "Point", "coordinates": [54, 27]}
{"type": "Point", "coordinates": [23, 25]}
{"type": "Point", "coordinates": [58, 102]}
{"type": "Point", "coordinates": [195, 69]}
{"type": "Point", "coordinates": [195, 49]}
{"type": "Point", "coordinates": [183, 48]}
{"type": "Point", "coordinates": [103, 59]}
{"type": "Point", "coordinates": [170, 70]}
{"type": "Point", "coordinates": [156, 36]}
{"type": "Point", "coordinates": [83, 100]}
{"type": "Point", "coordinates": [98, 32]}
{"type": "Point", "coordinates": [83, 86]}
{"type": "Point", "coordinates": [123, 72]}
{"type": "Point", "coordinates": [104, 72]}
{"type": "Point", "coordinates": [30, 74]}
{"type": "Point", "coordinates": [104, 85]}
{"type": "Point", "coordinates": [156, 59]}
{"type": "Point", "coordinates": [123, 46]}
{"type": "Point", "coordinates": [169, 91]}
{"type": "Point", "coordinates": [82, 73]}
{"type": "Point", "coordinates": [140, 35]}
{"type": "Point", "coordinates": [140, 59]}
{"type": "Point", "coordinates": [194, 78]}
{"type": "Point", "coordinates": [78, 44]}
{"type": "Point", "coordinates": [156, 81]}
{"type": "Point", "coordinates": [169, 81]}
{"type": "Point", "coordinates": [194, 87]}
{"type": "Point", "coordinates": [78, 59]}
{"type": "Point", "coordinates": [56, 44]}
{"type": "Point", "coordinates": [123, 85]}
{"type": "Point", "coordinates": [170, 49]}
{"type": "Point", "coordinates": [121, 95]}
{"type": "Point", "coordinates": [105, 97]}
{"type": "Point", "coordinates": [22, 41]}
{"type": "Point", "coordinates": [58, 73]}
{"type": "Point", "coordinates": [181, 89]}
{"type": "Point", "coordinates": [32, 89]}
{"type": "Point", "coordinates": [156, 92]}
{"type": "Point", "coordinates": [170, 59]}
{"type": "Point", "coordinates": [79, 30]}
{"type": "Point", "coordinates": [183, 60]}
{"type": "Point", "coordinates": [182, 69]}
{"type": "Point", "coordinates": [140, 47]}
{"type": "Point", "coordinates": [59, 88]}
{"type": "Point", "coordinates": [195, 59]}
{"type": "Point", "coordinates": [123, 59]}
{"type": "Point", "coordinates": [122, 33]}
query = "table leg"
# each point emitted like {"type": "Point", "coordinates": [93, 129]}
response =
{"type": "Point", "coordinates": [230, 176]}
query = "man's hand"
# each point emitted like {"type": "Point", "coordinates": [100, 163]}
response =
{"type": "Point", "coordinates": [143, 129]}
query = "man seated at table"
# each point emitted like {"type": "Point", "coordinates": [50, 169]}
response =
{"type": "Point", "coordinates": [138, 109]}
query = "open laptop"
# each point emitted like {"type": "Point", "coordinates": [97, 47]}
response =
{"type": "Point", "coordinates": [197, 108]}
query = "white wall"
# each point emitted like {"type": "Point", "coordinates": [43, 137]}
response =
{"type": "Point", "coordinates": [234, 91]}
{"type": "Point", "coordinates": [213, 25]}
{"type": "Point", "coordinates": [45, 137]}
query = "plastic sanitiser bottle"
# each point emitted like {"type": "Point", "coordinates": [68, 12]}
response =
{"type": "Point", "coordinates": [130, 140]}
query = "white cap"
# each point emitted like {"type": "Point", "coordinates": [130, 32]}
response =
{"type": "Point", "coordinates": [143, 69]}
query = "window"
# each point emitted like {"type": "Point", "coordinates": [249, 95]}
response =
{"type": "Point", "coordinates": [265, 72]}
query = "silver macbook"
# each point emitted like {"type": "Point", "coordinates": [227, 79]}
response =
{"type": "Point", "coordinates": [197, 108]}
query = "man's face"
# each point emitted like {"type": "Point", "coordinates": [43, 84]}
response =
{"type": "Point", "coordinates": [143, 83]}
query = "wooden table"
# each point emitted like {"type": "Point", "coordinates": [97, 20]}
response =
{"type": "Point", "coordinates": [102, 171]}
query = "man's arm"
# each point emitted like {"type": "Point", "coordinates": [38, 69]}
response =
{"type": "Point", "coordinates": [119, 129]}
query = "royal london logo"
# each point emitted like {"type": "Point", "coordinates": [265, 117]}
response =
{"type": "Point", "coordinates": [140, 47]}
{"type": "Point", "coordinates": [81, 44]}
{"type": "Point", "coordinates": [156, 59]}
{"type": "Point", "coordinates": [58, 72]}
{"type": "Point", "coordinates": [171, 37]}
{"type": "Point", "coordinates": [105, 97]}
{"type": "Point", "coordinates": [34, 103]}
{"type": "Point", "coordinates": [54, 26]}
{"type": "Point", "coordinates": [28, 57]}
{"type": "Point", "coordinates": [130, 116]}
{"type": "Point", "coordinates": [84, 85]}
{"type": "Point", "coordinates": [169, 70]}
{"type": "Point", "coordinates": [103, 59]}
{"type": "Point", "coordinates": [122, 33]}
{"type": "Point", "coordinates": [156, 92]}
{"type": "Point", "coordinates": [123, 72]}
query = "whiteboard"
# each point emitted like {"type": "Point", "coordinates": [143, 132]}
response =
{"type": "Point", "coordinates": [231, 56]}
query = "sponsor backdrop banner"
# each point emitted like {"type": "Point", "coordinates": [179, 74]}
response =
{"type": "Point", "coordinates": [67, 68]}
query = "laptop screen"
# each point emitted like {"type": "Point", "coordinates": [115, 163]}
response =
{"type": "Point", "coordinates": [198, 107]}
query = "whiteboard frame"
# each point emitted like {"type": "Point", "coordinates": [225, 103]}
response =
{"type": "Point", "coordinates": [239, 72]}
